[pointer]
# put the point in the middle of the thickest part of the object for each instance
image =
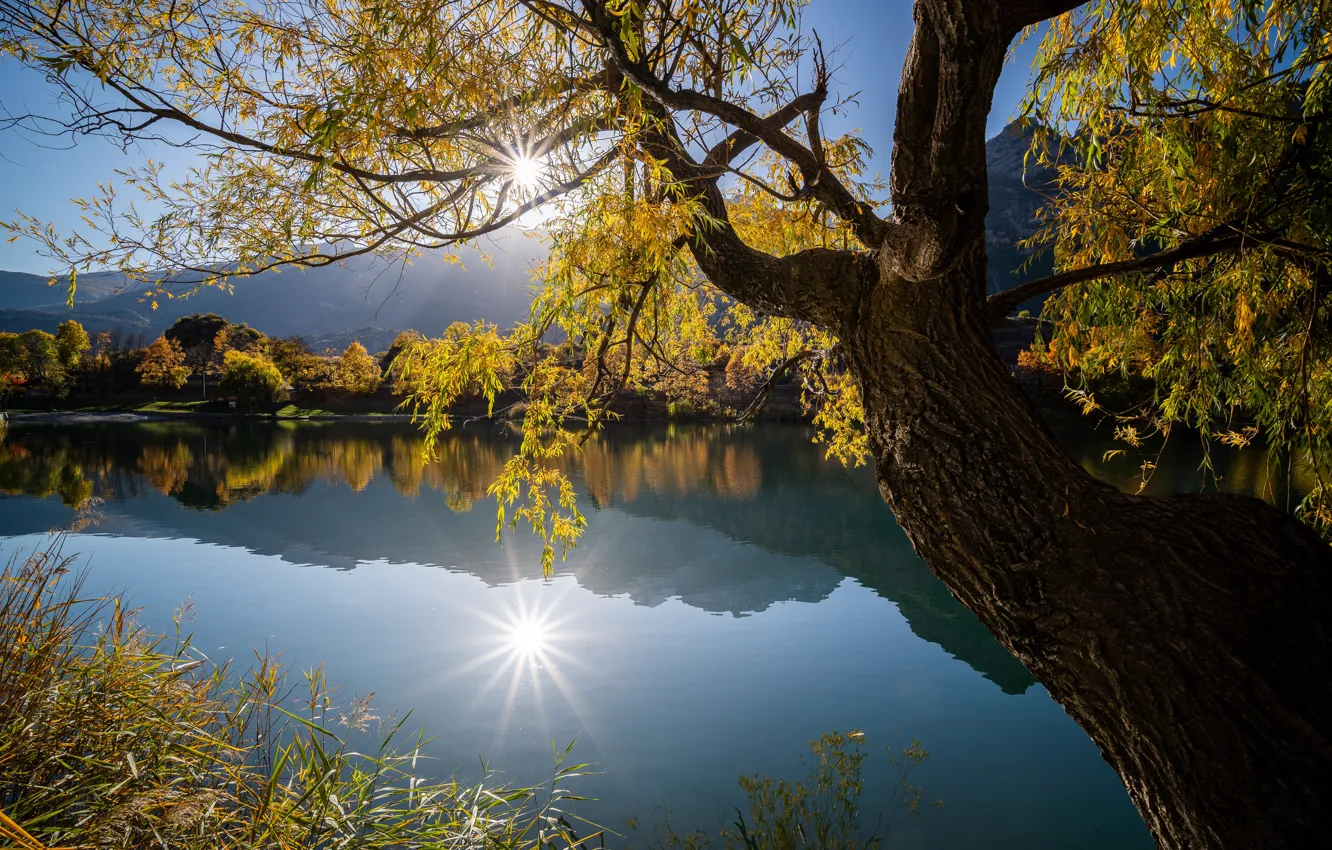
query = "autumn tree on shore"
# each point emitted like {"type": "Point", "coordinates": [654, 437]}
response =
{"type": "Point", "coordinates": [254, 381]}
{"type": "Point", "coordinates": [41, 362]}
{"type": "Point", "coordinates": [701, 190]}
{"type": "Point", "coordinates": [357, 370]}
{"type": "Point", "coordinates": [163, 365]}
{"type": "Point", "coordinates": [72, 343]}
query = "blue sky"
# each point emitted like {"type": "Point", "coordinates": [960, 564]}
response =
{"type": "Point", "coordinates": [871, 37]}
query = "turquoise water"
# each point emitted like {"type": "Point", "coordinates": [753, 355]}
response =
{"type": "Point", "coordinates": [734, 596]}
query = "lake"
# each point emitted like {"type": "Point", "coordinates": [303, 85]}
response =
{"type": "Point", "coordinates": [734, 596]}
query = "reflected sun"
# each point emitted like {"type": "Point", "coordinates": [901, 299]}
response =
{"type": "Point", "coordinates": [530, 635]}
{"type": "Point", "coordinates": [527, 637]}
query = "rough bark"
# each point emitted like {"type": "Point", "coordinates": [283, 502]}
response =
{"type": "Point", "coordinates": [1187, 635]}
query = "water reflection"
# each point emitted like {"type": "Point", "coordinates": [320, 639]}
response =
{"type": "Point", "coordinates": [367, 495]}
{"type": "Point", "coordinates": [704, 526]}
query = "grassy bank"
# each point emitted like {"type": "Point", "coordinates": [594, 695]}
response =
{"type": "Point", "coordinates": [784, 406]}
{"type": "Point", "coordinates": [114, 736]}
{"type": "Point", "coordinates": [195, 409]}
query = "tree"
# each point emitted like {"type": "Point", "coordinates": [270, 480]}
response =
{"type": "Point", "coordinates": [163, 365]}
{"type": "Point", "coordinates": [251, 379]}
{"type": "Point", "coordinates": [303, 368]}
{"type": "Point", "coordinates": [197, 330]}
{"type": "Point", "coordinates": [71, 343]}
{"type": "Point", "coordinates": [240, 337]}
{"type": "Point", "coordinates": [1185, 634]}
{"type": "Point", "coordinates": [12, 378]}
{"type": "Point", "coordinates": [206, 337]}
{"type": "Point", "coordinates": [357, 370]}
{"type": "Point", "coordinates": [41, 361]}
{"type": "Point", "coordinates": [197, 335]}
{"type": "Point", "coordinates": [11, 353]}
{"type": "Point", "coordinates": [403, 341]}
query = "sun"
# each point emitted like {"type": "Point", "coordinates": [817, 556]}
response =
{"type": "Point", "coordinates": [527, 172]}
{"type": "Point", "coordinates": [527, 637]}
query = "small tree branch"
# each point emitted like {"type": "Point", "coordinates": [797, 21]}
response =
{"type": "Point", "coordinates": [765, 392]}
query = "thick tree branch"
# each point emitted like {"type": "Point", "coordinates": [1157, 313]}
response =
{"type": "Point", "coordinates": [819, 285]}
{"type": "Point", "coordinates": [1213, 242]}
{"type": "Point", "coordinates": [938, 181]}
{"type": "Point", "coordinates": [729, 149]}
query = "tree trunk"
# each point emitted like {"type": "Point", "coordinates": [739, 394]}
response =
{"type": "Point", "coordinates": [1188, 635]}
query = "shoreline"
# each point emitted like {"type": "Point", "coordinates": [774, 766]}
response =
{"type": "Point", "coordinates": [83, 417]}
{"type": "Point", "coordinates": [90, 417]}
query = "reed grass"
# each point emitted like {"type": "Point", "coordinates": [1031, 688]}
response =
{"type": "Point", "coordinates": [114, 736]}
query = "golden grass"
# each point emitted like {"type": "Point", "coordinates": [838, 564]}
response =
{"type": "Point", "coordinates": [116, 737]}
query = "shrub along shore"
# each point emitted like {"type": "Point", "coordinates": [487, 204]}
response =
{"type": "Point", "coordinates": [205, 366]}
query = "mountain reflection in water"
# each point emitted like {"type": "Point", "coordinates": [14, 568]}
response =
{"type": "Point", "coordinates": [367, 495]}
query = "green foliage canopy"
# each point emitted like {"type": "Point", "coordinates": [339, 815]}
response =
{"type": "Point", "coordinates": [71, 344]}
{"type": "Point", "coordinates": [11, 354]}
{"type": "Point", "coordinates": [41, 361]}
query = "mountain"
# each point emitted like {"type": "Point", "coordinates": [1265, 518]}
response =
{"type": "Point", "coordinates": [366, 292]}
{"type": "Point", "coordinates": [22, 291]}
{"type": "Point", "coordinates": [1017, 191]}
{"type": "Point", "coordinates": [374, 339]}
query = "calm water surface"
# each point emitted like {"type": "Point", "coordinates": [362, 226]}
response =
{"type": "Point", "coordinates": [734, 596]}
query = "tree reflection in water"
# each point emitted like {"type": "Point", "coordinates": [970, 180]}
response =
{"type": "Point", "coordinates": [764, 486]}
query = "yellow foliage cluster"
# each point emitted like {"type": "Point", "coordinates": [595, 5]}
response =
{"type": "Point", "coordinates": [1198, 128]}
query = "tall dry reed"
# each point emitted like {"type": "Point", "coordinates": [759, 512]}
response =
{"type": "Point", "coordinates": [112, 735]}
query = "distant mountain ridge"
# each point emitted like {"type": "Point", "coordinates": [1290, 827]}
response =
{"type": "Point", "coordinates": [362, 293]}
{"type": "Point", "coordinates": [21, 291]}
{"type": "Point", "coordinates": [1018, 189]}
{"type": "Point", "coordinates": [332, 305]}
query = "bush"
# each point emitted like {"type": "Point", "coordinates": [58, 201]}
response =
{"type": "Point", "coordinates": [680, 409]}
{"type": "Point", "coordinates": [254, 381]}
